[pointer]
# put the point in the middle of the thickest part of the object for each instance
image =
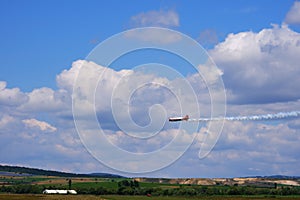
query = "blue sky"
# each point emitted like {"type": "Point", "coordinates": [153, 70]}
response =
{"type": "Point", "coordinates": [254, 44]}
{"type": "Point", "coordinates": [61, 32]}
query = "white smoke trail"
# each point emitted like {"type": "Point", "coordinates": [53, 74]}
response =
{"type": "Point", "coordinates": [280, 115]}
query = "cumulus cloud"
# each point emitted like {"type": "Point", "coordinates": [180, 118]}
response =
{"type": "Point", "coordinates": [159, 18]}
{"type": "Point", "coordinates": [243, 148]}
{"type": "Point", "coordinates": [210, 73]}
{"type": "Point", "coordinates": [2, 85]}
{"type": "Point", "coordinates": [67, 77]}
{"type": "Point", "coordinates": [41, 125]}
{"type": "Point", "coordinates": [127, 89]}
{"type": "Point", "coordinates": [293, 16]}
{"type": "Point", "coordinates": [128, 102]}
{"type": "Point", "coordinates": [258, 144]}
{"type": "Point", "coordinates": [11, 97]}
{"type": "Point", "coordinates": [5, 120]}
{"type": "Point", "coordinates": [46, 100]}
{"type": "Point", "coordinates": [260, 67]}
{"type": "Point", "coordinates": [248, 148]}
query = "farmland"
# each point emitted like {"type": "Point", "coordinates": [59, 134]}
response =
{"type": "Point", "coordinates": [119, 197]}
{"type": "Point", "coordinates": [16, 185]}
{"type": "Point", "coordinates": [154, 187]}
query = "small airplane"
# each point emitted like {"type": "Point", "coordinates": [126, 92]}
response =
{"type": "Point", "coordinates": [177, 119]}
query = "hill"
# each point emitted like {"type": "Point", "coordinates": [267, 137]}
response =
{"type": "Point", "coordinates": [276, 177]}
{"type": "Point", "coordinates": [42, 172]}
{"type": "Point", "coordinates": [260, 181]}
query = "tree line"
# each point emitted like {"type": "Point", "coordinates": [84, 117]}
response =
{"type": "Point", "coordinates": [132, 187]}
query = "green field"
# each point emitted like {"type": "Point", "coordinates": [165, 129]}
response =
{"type": "Point", "coordinates": [105, 184]}
{"type": "Point", "coordinates": [119, 197]}
{"type": "Point", "coordinates": [114, 185]}
{"type": "Point", "coordinates": [121, 188]}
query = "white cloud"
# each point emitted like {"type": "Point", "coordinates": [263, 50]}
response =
{"type": "Point", "coordinates": [156, 18]}
{"type": "Point", "coordinates": [165, 19]}
{"type": "Point", "coordinates": [5, 120]}
{"type": "Point", "coordinates": [260, 67]}
{"type": "Point", "coordinates": [243, 149]}
{"type": "Point", "coordinates": [2, 85]}
{"type": "Point", "coordinates": [210, 73]}
{"type": "Point", "coordinates": [127, 89]}
{"type": "Point", "coordinates": [247, 148]}
{"type": "Point", "coordinates": [263, 142]}
{"type": "Point", "coordinates": [66, 78]}
{"type": "Point", "coordinates": [153, 35]}
{"type": "Point", "coordinates": [208, 37]}
{"type": "Point", "coordinates": [46, 100]}
{"type": "Point", "coordinates": [67, 151]}
{"type": "Point", "coordinates": [132, 95]}
{"type": "Point", "coordinates": [43, 126]}
{"type": "Point", "coordinates": [293, 16]}
{"type": "Point", "coordinates": [11, 97]}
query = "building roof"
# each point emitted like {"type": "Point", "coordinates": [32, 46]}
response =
{"type": "Point", "coordinates": [59, 191]}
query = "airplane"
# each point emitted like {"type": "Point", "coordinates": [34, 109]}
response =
{"type": "Point", "coordinates": [176, 119]}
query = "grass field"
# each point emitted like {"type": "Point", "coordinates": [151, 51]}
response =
{"type": "Point", "coordinates": [19, 187]}
{"type": "Point", "coordinates": [118, 197]}
{"type": "Point", "coordinates": [114, 184]}
{"type": "Point", "coordinates": [104, 184]}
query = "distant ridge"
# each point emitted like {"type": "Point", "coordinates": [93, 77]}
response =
{"type": "Point", "coordinates": [42, 172]}
{"type": "Point", "coordinates": [275, 177]}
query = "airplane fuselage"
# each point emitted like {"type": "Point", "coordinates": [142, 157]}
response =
{"type": "Point", "coordinates": [177, 119]}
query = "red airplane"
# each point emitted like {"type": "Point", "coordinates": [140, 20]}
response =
{"type": "Point", "coordinates": [176, 119]}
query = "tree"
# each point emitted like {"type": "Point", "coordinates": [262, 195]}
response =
{"type": "Point", "coordinates": [70, 184]}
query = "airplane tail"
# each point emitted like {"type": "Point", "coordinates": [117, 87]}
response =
{"type": "Point", "coordinates": [185, 118]}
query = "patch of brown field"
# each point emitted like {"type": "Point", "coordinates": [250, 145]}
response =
{"type": "Point", "coordinates": [287, 182]}
{"type": "Point", "coordinates": [24, 177]}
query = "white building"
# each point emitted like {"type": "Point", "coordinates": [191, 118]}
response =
{"type": "Point", "coordinates": [59, 191]}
